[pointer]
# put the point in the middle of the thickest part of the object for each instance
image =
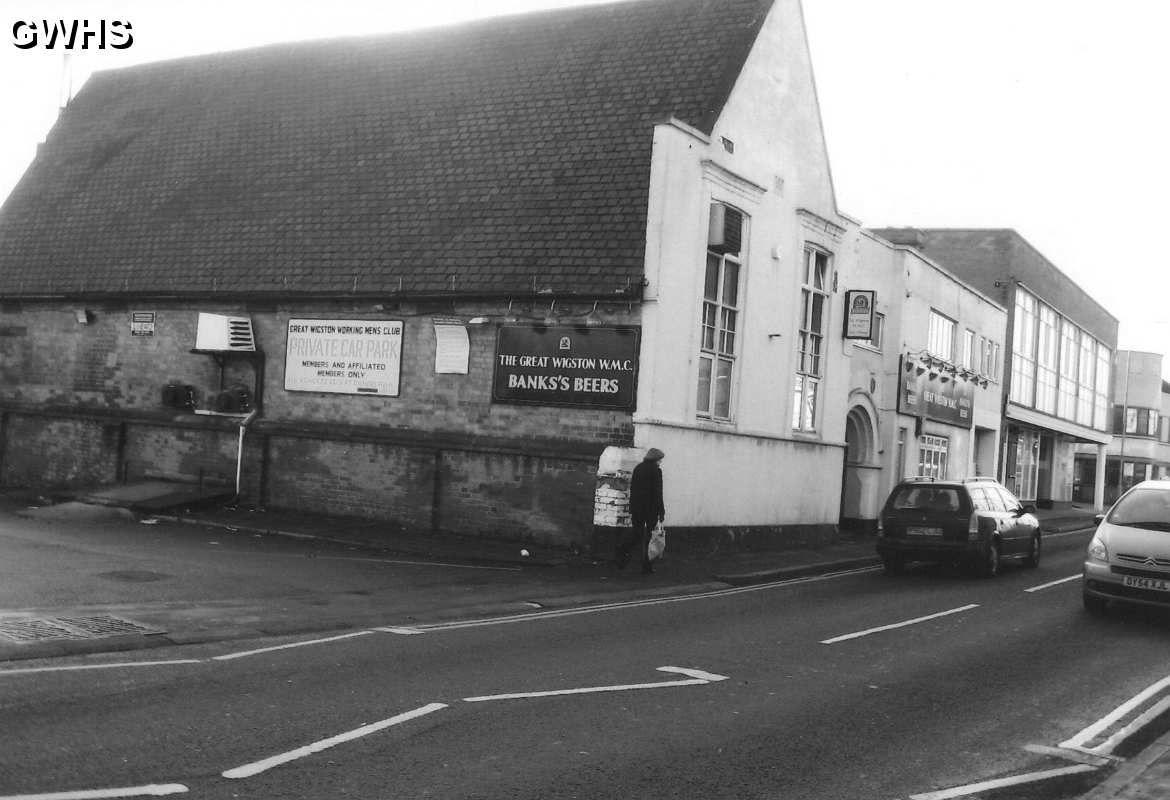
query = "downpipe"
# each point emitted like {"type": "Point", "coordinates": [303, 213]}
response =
{"type": "Point", "coordinates": [244, 423]}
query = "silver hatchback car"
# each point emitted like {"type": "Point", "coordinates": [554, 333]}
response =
{"type": "Point", "coordinates": [1128, 559]}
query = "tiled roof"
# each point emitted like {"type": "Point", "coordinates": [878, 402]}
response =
{"type": "Point", "coordinates": [507, 155]}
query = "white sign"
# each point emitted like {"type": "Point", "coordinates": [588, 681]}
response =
{"type": "Point", "coordinates": [452, 348]}
{"type": "Point", "coordinates": [344, 356]}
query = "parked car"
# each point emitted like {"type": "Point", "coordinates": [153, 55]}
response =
{"type": "Point", "coordinates": [975, 522]}
{"type": "Point", "coordinates": [1128, 559]}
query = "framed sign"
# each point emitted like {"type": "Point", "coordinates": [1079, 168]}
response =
{"type": "Point", "coordinates": [943, 398]}
{"type": "Point", "coordinates": [142, 323]}
{"type": "Point", "coordinates": [859, 310]}
{"type": "Point", "coordinates": [566, 366]}
{"type": "Point", "coordinates": [343, 356]}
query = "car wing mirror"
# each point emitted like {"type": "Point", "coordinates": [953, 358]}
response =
{"type": "Point", "coordinates": [1027, 508]}
{"type": "Point", "coordinates": [1098, 519]}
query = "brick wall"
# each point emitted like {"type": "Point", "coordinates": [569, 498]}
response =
{"type": "Point", "coordinates": [442, 453]}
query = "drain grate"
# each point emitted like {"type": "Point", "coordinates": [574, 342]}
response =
{"type": "Point", "coordinates": [44, 629]}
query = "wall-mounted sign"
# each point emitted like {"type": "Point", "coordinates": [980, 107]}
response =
{"type": "Point", "coordinates": [452, 347]}
{"type": "Point", "coordinates": [343, 356]}
{"type": "Point", "coordinates": [142, 323]}
{"type": "Point", "coordinates": [566, 366]}
{"type": "Point", "coordinates": [933, 394]}
{"type": "Point", "coordinates": [859, 309]}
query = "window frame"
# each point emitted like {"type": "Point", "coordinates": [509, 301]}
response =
{"type": "Point", "coordinates": [811, 344]}
{"type": "Point", "coordinates": [720, 328]}
{"type": "Point", "coordinates": [937, 325]}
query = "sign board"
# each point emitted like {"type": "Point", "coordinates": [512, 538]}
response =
{"type": "Point", "coordinates": [343, 356]}
{"type": "Point", "coordinates": [452, 347]}
{"type": "Point", "coordinates": [142, 323]}
{"type": "Point", "coordinates": [859, 309]}
{"type": "Point", "coordinates": [924, 393]}
{"type": "Point", "coordinates": [567, 366]}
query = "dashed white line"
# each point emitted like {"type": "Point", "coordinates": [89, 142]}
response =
{"type": "Point", "coordinates": [256, 767]}
{"type": "Point", "coordinates": [78, 667]}
{"type": "Point", "coordinates": [306, 643]}
{"type": "Point", "coordinates": [1076, 577]}
{"type": "Point", "coordinates": [903, 624]}
{"type": "Point", "coordinates": [150, 790]}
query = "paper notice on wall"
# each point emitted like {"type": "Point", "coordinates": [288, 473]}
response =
{"type": "Point", "coordinates": [452, 348]}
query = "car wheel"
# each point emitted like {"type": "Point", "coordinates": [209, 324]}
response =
{"type": "Point", "coordinates": [894, 564]}
{"type": "Point", "coordinates": [1093, 604]}
{"type": "Point", "coordinates": [989, 566]}
{"type": "Point", "coordinates": [1033, 558]}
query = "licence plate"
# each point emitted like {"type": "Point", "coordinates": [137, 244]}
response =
{"type": "Point", "coordinates": [916, 531]}
{"type": "Point", "coordinates": [1157, 584]}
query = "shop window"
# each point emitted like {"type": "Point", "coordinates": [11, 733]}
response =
{"type": "Point", "coordinates": [932, 456]}
{"type": "Point", "coordinates": [814, 304]}
{"type": "Point", "coordinates": [721, 309]}
{"type": "Point", "coordinates": [1024, 349]}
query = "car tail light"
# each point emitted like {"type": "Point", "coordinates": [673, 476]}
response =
{"type": "Point", "coordinates": [880, 528]}
{"type": "Point", "coordinates": [973, 527]}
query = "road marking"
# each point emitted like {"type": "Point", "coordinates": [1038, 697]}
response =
{"type": "Point", "coordinates": [699, 678]}
{"type": "Point", "coordinates": [914, 621]}
{"type": "Point", "coordinates": [77, 667]}
{"type": "Point", "coordinates": [1086, 735]}
{"type": "Point", "coordinates": [1000, 783]}
{"type": "Point", "coordinates": [150, 790]}
{"type": "Point", "coordinates": [620, 604]}
{"type": "Point", "coordinates": [498, 568]}
{"type": "Point", "coordinates": [256, 767]}
{"type": "Point", "coordinates": [243, 653]}
{"type": "Point", "coordinates": [1076, 577]}
{"type": "Point", "coordinates": [400, 631]}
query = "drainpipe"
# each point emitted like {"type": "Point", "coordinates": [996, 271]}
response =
{"type": "Point", "coordinates": [244, 423]}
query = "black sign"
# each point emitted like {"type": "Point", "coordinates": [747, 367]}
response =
{"type": "Point", "coordinates": [931, 393]}
{"type": "Point", "coordinates": [567, 366]}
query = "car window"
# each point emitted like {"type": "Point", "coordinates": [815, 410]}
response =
{"type": "Point", "coordinates": [1142, 508]}
{"type": "Point", "coordinates": [1010, 503]}
{"type": "Point", "coordinates": [994, 500]}
{"type": "Point", "coordinates": [927, 498]}
{"type": "Point", "coordinates": [979, 498]}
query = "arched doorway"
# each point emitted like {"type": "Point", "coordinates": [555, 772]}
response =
{"type": "Point", "coordinates": [860, 472]}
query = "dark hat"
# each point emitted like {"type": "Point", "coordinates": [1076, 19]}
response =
{"type": "Point", "coordinates": [654, 454]}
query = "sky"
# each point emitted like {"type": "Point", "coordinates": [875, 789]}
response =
{"type": "Point", "coordinates": [1046, 116]}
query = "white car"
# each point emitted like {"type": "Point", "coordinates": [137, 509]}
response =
{"type": "Point", "coordinates": [1128, 560]}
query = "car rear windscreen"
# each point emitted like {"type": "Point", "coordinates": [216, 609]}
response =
{"type": "Point", "coordinates": [927, 498]}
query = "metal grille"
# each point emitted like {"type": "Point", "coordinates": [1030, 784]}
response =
{"type": "Point", "coordinates": [42, 629]}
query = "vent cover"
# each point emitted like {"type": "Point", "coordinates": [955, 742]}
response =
{"type": "Point", "coordinates": [218, 333]}
{"type": "Point", "coordinates": [725, 231]}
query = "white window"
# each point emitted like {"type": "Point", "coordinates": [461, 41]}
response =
{"type": "Point", "coordinates": [1067, 385]}
{"type": "Point", "coordinates": [1046, 361]}
{"type": "Point", "coordinates": [932, 456]}
{"type": "Point", "coordinates": [1024, 349]}
{"type": "Point", "coordinates": [1101, 389]}
{"type": "Point", "coordinates": [940, 339]}
{"type": "Point", "coordinates": [814, 304]}
{"type": "Point", "coordinates": [969, 352]}
{"type": "Point", "coordinates": [720, 322]}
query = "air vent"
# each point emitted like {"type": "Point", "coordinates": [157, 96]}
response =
{"type": "Point", "coordinates": [218, 333]}
{"type": "Point", "coordinates": [725, 232]}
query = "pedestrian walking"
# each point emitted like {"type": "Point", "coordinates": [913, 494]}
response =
{"type": "Point", "coordinates": [646, 509]}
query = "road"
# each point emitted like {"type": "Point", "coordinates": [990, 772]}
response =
{"type": "Point", "coordinates": [861, 685]}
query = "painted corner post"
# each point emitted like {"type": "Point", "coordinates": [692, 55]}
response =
{"type": "Point", "coordinates": [611, 497]}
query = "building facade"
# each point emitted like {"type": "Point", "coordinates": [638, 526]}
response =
{"type": "Point", "coordinates": [1057, 360]}
{"type": "Point", "coordinates": [434, 278]}
{"type": "Point", "coordinates": [1140, 450]}
{"type": "Point", "coordinates": [925, 387]}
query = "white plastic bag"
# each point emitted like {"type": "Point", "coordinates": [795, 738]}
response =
{"type": "Point", "coordinates": [657, 542]}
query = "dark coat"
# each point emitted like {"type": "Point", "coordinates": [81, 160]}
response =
{"type": "Point", "coordinates": [646, 491]}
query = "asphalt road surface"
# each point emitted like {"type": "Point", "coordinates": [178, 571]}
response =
{"type": "Point", "coordinates": [861, 685]}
